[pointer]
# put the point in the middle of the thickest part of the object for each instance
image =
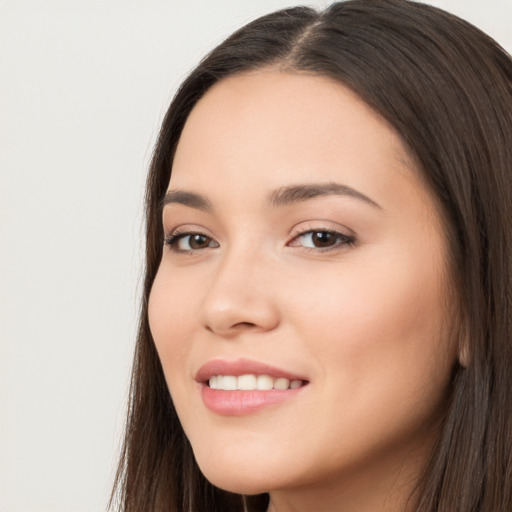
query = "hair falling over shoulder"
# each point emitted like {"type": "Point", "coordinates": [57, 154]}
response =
{"type": "Point", "coordinates": [446, 88]}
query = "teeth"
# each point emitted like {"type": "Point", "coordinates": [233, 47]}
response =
{"type": "Point", "coordinates": [281, 384]}
{"type": "Point", "coordinates": [228, 382]}
{"type": "Point", "coordinates": [247, 382]}
{"type": "Point", "coordinates": [294, 384]}
{"type": "Point", "coordinates": [213, 382]}
{"type": "Point", "coordinates": [265, 382]}
{"type": "Point", "coordinates": [251, 382]}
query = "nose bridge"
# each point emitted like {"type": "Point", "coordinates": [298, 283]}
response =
{"type": "Point", "coordinates": [240, 295]}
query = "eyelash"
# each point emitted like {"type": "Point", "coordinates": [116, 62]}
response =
{"type": "Point", "coordinates": [173, 240]}
{"type": "Point", "coordinates": [343, 240]}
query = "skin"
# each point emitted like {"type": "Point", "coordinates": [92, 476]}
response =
{"type": "Point", "coordinates": [366, 323]}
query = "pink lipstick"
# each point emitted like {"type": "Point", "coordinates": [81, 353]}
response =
{"type": "Point", "coordinates": [243, 386]}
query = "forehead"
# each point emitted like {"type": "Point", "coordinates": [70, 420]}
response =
{"type": "Point", "coordinates": [267, 129]}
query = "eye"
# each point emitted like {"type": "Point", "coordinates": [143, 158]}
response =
{"type": "Point", "coordinates": [188, 242]}
{"type": "Point", "coordinates": [322, 239]}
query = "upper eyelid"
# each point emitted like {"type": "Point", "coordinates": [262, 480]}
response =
{"type": "Point", "coordinates": [183, 234]}
{"type": "Point", "coordinates": [187, 229]}
{"type": "Point", "coordinates": [308, 226]}
{"type": "Point", "coordinates": [298, 230]}
{"type": "Point", "coordinates": [319, 230]}
{"type": "Point", "coordinates": [294, 232]}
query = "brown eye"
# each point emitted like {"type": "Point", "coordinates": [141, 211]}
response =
{"type": "Point", "coordinates": [186, 242]}
{"type": "Point", "coordinates": [197, 241]}
{"type": "Point", "coordinates": [322, 239]}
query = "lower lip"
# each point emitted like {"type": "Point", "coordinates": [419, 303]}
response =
{"type": "Point", "coordinates": [239, 403]}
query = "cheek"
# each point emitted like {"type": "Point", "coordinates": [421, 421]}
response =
{"type": "Point", "coordinates": [380, 340]}
{"type": "Point", "coordinates": [375, 299]}
{"type": "Point", "coordinates": [380, 328]}
{"type": "Point", "coordinates": [171, 314]}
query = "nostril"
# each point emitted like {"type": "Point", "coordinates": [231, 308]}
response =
{"type": "Point", "coordinates": [244, 325]}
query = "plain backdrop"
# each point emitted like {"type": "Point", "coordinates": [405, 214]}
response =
{"type": "Point", "coordinates": [83, 87]}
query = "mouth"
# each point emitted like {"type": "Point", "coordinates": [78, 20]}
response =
{"type": "Point", "coordinates": [251, 382]}
{"type": "Point", "coordinates": [243, 387]}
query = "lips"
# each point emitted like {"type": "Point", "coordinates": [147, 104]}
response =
{"type": "Point", "coordinates": [224, 386]}
{"type": "Point", "coordinates": [242, 367]}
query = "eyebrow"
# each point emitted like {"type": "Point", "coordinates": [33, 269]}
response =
{"type": "Point", "coordinates": [190, 199]}
{"type": "Point", "coordinates": [298, 193]}
{"type": "Point", "coordinates": [280, 197]}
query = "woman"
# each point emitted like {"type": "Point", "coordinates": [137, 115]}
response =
{"type": "Point", "coordinates": [326, 314]}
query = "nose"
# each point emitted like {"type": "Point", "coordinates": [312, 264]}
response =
{"type": "Point", "coordinates": [241, 297]}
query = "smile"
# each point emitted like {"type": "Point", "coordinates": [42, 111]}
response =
{"type": "Point", "coordinates": [236, 388]}
{"type": "Point", "coordinates": [251, 382]}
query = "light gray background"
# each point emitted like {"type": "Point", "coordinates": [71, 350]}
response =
{"type": "Point", "coordinates": [83, 87]}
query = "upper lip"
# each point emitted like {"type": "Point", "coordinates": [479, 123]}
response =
{"type": "Point", "coordinates": [242, 367]}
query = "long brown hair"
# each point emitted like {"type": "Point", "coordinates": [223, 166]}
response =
{"type": "Point", "coordinates": [447, 89]}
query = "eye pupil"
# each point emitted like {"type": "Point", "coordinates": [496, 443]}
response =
{"type": "Point", "coordinates": [198, 241]}
{"type": "Point", "coordinates": [323, 239]}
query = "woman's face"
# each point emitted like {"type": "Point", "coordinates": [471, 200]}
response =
{"type": "Point", "coordinates": [301, 245]}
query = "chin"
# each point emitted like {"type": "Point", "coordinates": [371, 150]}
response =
{"type": "Point", "coordinates": [234, 480]}
{"type": "Point", "coordinates": [241, 472]}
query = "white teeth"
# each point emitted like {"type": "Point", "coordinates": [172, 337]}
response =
{"type": "Point", "coordinates": [251, 382]}
{"type": "Point", "coordinates": [294, 384]}
{"type": "Point", "coordinates": [247, 382]}
{"type": "Point", "coordinates": [265, 382]}
{"type": "Point", "coordinates": [228, 382]}
{"type": "Point", "coordinates": [281, 384]}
